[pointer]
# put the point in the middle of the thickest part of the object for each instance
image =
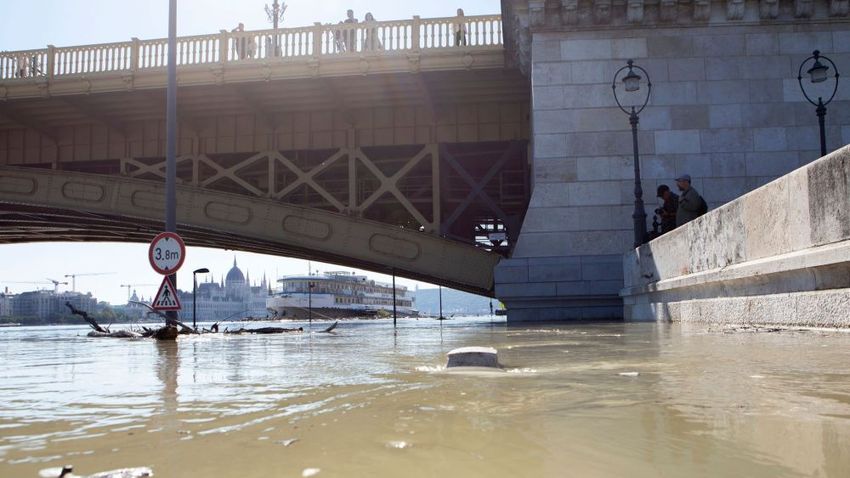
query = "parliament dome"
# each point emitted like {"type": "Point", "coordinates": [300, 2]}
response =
{"type": "Point", "coordinates": [234, 275]}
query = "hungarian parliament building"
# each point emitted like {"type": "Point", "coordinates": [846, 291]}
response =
{"type": "Point", "coordinates": [233, 298]}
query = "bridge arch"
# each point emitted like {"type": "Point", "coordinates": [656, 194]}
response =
{"type": "Point", "coordinates": [39, 205]}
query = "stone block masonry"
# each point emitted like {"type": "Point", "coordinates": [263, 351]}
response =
{"type": "Point", "coordinates": [779, 255]}
{"type": "Point", "coordinates": [725, 108]}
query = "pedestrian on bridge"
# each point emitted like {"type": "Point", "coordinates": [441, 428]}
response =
{"type": "Point", "coordinates": [349, 36]}
{"type": "Point", "coordinates": [371, 42]}
{"type": "Point", "coordinates": [240, 43]}
{"type": "Point", "coordinates": [460, 29]}
{"type": "Point", "coordinates": [22, 66]}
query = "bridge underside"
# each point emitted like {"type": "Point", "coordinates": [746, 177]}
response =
{"type": "Point", "coordinates": [382, 162]}
{"type": "Point", "coordinates": [44, 205]}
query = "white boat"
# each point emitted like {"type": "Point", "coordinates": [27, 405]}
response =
{"type": "Point", "coordinates": [336, 295]}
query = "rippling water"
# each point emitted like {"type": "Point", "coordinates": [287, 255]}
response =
{"type": "Point", "coordinates": [583, 400]}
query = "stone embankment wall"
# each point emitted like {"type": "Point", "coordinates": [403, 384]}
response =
{"type": "Point", "coordinates": [778, 255]}
{"type": "Point", "coordinates": [726, 108]}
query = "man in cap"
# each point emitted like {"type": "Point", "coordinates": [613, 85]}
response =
{"type": "Point", "coordinates": [691, 204]}
{"type": "Point", "coordinates": [668, 211]}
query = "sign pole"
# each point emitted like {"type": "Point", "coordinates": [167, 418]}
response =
{"type": "Point", "coordinates": [395, 317]}
{"type": "Point", "coordinates": [171, 139]}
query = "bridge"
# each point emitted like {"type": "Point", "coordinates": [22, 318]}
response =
{"type": "Point", "coordinates": [393, 145]}
{"type": "Point", "coordinates": [495, 161]}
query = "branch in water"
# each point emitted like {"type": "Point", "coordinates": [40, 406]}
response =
{"type": "Point", "coordinates": [93, 323]}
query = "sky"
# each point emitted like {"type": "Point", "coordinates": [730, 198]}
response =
{"type": "Point", "coordinates": [37, 23]}
{"type": "Point", "coordinates": [119, 264]}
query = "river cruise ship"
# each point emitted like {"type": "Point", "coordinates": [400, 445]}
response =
{"type": "Point", "coordinates": [335, 295]}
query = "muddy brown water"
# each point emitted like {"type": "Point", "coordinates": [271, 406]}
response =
{"type": "Point", "coordinates": [601, 400]}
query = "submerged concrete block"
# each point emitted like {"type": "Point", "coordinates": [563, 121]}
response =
{"type": "Point", "coordinates": [474, 357]}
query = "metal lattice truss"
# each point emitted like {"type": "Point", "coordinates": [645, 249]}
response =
{"type": "Point", "coordinates": [399, 185]}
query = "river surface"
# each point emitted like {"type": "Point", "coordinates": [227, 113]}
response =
{"type": "Point", "coordinates": [600, 400]}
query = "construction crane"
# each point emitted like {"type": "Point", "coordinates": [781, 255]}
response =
{"type": "Point", "coordinates": [74, 277]}
{"type": "Point", "coordinates": [128, 286]}
{"type": "Point", "coordinates": [56, 284]}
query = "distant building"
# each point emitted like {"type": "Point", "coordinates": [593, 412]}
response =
{"type": "Point", "coordinates": [134, 309]}
{"type": "Point", "coordinates": [233, 298]}
{"type": "Point", "coordinates": [45, 305]}
{"type": "Point", "coordinates": [5, 305]}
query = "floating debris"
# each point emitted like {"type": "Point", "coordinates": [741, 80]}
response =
{"type": "Point", "coordinates": [754, 329]}
{"type": "Point", "coordinates": [310, 472]}
{"type": "Point", "coordinates": [628, 374]}
{"type": "Point", "coordinates": [430, 368]}
{"type": "Point", "coordinates": [399, 444]}
{"type": "Point", "coordinates": [67, 471]}
{"type": "Point", "coordinates": [142, 472]}
{"type": "Point", "coordinates": [287, 442]}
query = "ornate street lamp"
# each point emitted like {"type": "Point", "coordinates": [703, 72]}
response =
{"type": "Point", "coordinates": [631, 83]}
{"type": "Point", "coordinates": [195, 273]}
{"type": "Point", "coordinates": [819, 73]}
{"type": "Point", "coordinates": [275, 14]}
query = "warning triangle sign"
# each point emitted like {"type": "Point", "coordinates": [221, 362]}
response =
{"type": "Point", "coordinates": [166, 297]}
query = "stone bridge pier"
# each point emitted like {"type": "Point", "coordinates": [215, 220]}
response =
{"type": "Point", "coordinates": [726, 108]}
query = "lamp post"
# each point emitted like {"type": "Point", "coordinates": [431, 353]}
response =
{"type": "Point", "coordinates": [441, 304]}
{"type": "Point", "coordinates": [195, 273]}
{"type": "Point", "coordinates": [310, 285]}
{"type": "Point", "coordinates": [171, 139]}
{"type": "Point", "coordinates": [395, 316]}
{"type": "Point", "coordinates": [819, 73]}
{"type": "Point", "coordinates": [631, 83]}
{"type": "Point", "coordinates": [275, 14]}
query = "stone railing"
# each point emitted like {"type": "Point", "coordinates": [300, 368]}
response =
{"type": "Point", "coordinates": [245, 46]}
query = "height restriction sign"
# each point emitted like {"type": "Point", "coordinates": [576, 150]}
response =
{"type": "Point", "coordinates": [167, 253]}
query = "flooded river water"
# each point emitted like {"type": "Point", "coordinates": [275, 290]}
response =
{"type": "Point", "coordinates": [600, 400]}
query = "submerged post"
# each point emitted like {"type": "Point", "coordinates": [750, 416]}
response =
{"type": "Point", "coordinates": [394, 309]}
{"type": "Point", "coordinates": [171, 138]}
{"type": "Point", "coordinates": [310, 285]}
{"type": "Point", "coordinates": [441, 303]}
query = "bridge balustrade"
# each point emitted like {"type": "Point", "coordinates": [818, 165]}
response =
{"type": "Point", "coordinates": [319, 40]}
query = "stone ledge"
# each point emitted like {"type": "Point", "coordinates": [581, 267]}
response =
{"type": "Point", "coordinates": [799, 309]}
{"type": "Point", "coordinates": [540, 17]}
{"type": "Point", "coordinates": [817, 257]}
